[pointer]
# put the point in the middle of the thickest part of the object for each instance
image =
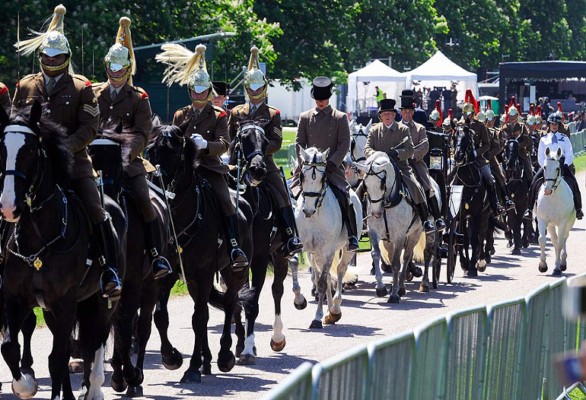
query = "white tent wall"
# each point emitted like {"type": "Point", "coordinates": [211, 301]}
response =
{"type": "Point", "coordinates": [291, 103]}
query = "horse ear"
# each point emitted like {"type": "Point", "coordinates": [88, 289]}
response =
{"type": "Point", "coordinates": [547, 151]}
{"type": "Point", "coordinates": [369, 125]}
{"type": "Point", "coordinates": [183, 127]}
{"type": "Point", "coordinates": [325, 154]}
{"type": "Point", "coordinates": [559, 152]}
{"type": "Point", "coordinates": [302, 152]}
{"type": "Point", "coordinates": [36, 113]}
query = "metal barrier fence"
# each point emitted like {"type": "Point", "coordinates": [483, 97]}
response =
{"type": "Point", "coordinates": [503, 351]}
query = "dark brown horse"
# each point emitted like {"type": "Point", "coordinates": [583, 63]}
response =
{"type": "Point", "coordinates": [47, 260]}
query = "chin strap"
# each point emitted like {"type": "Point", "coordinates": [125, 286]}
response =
{"type": "Point", "coordinates": [51, 68]}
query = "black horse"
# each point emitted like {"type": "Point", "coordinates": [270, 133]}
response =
{"type": "Point", "coordinates": [110, 154]}
{"type": "Point", "coordinates": [473, 215]}
{"type": "Point", "coordinates": [45, 264]}
{"type": "Point", "coordinates": [248, 150]}
{"type": "Point", "coordinates": [197, 225]}
{"type": "Point", "coordinates": [518, 189]}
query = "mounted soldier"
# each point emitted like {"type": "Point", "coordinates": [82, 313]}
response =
{"type": "Point", "coordinates": [394, 139]}
{"type": "Point", "coordinates": [436, 117]}
{"type": "Point", "coordinates": [554, 137]}
{"type": "Point", "coordinates": [515, 128]}
{"type": "Point", "coordinates": [207, 126]}
{"type": "Point", "coordinates": [5, 102]}
{"type": "Point", "coordinates": [482, 144]}
{"type": "Point", "coordinates": [256, 109]}
{"type": "Point", "coordinates": [420, 149]}
{"type": "Point", "coordinates": [71, 102]}
{"type": "Point", "coordinates": [326, 128]}
{"type": "Point", "coordinates": [122, 103]}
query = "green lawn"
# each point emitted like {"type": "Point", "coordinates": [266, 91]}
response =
{"type": "Point", "coordinates": [580, 162]}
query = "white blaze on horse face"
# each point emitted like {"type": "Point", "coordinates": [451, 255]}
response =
{"type": "Point", "coordinates": [13, 143]}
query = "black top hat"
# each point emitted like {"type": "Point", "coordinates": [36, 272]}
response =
{"type": "Point", "coordinates": [221, 88]}
{"type": "Point", "coordinates": [387, 105]}
{"type": "Point", "coordinates": [407, 100]}
{"type": "Point", "coordinates": [322, 88]}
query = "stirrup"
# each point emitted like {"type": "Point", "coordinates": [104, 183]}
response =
{"type": "Point", "coordinates": [509, 205]}
{"type": "Point", "coordinates": [110, 284]}
{"type": "Point", "coordinates": [440, 225]}
{"type": "Point", "coordinates": [161, 267]}
{"type": "Point", "coordinates": [293, 246]}
{"type": "Point", "coordinates": [353, 243]}
{"type": "Point", "coordinates": [528, 215]}
{"type": "Point", "coordinates": [428, 226]}
{"type": "Point", "coordinates": [238, 259]}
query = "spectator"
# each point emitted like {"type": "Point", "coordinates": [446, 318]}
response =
{"type": "Point", "coordinates": [379, 95]}
{"type": "Point", "coordinates": [582, 124]}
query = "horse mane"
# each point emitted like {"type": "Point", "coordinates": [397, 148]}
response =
{"type": "Point", "coordinates": [125, 138]}
{"type": "Point", "coordinates": [171, 131]}
{"type": "Point", "coordinates": [54, 142]}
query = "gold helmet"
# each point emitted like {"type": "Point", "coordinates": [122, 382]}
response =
{"type": "Point", "coordinates": [121, 54]}
{"type": "Point", "coordinates": [468, 108]}
{"type": "Point", "coordinates": [254, 79]}
{"type": "Point", "coordinates": [52, 42]}
{"type": "Point", "coordinates": [186, 68]}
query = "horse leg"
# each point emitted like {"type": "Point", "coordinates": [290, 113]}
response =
{"type": "Point", "coordinates": [542, 226]}
{"type": "Point", "coordinates": [555, 239]}
{"type": "Point", "coordinates": [432, 243]}
{"type": "Point", "coordinates": [334, 307]}
{"type": "Point", "coordinates": [28, 327]}
{"type": "Point", "coordinates": [239, 328]}
{"type": "Point", "coordinates": [564, 233]}
{"type": "Point", "coordinates": [60, 322]}
{"type": "Point", "coordinates": [206, 353]}
{"type": "Point", "coordinates": [321, 275]}
{"type": "Point", "coordinates": [279, 262]}
{"type": "Point", "coordinates": [199, 320]}
{"type": "Point", "coordinates": [381, 290]}
{"type": "Point", "coordinates": [24, 384]}
{"type": "Point", "coordinates": [234, 281]}
{"type": "Point", "coordinates": [299, 301]}
{"type": "Point", "coordinates": [171, 358]}
{"type": "Point", "coordinates": [395, 258]}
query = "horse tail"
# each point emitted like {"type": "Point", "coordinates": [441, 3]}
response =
{"type": "Point", "coordinates": [418, 251]}
{"type": "Point", "coordinates": [216, 298]}
{"type": "Point", "coordinates": [350, 277]}
{"type": "Point", "coordinates": [495, 225]}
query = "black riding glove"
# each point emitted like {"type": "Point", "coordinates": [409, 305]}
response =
{"type": "Point", "coordinates": [393, 153]}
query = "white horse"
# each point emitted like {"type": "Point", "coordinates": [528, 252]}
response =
{"type": "Point", "coordinates": [554, 208]}
{"type": "Point", "coordinates": [393, 225]}
{"type": "Point", "coordinates": [358, 136]}
{"type": "Point", "coordinates": [324, 236]}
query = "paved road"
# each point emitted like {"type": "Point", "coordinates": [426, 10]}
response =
{"type": "Point", "coordinates": [365, 318]}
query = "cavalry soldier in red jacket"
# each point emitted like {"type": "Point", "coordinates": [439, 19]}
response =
{"type": "Point", "coordinates": [70, 101]}
{"type": "Point", "coordinates": [256, 85]}
{"type": "Point", "coordinates": [120, 102]}
{"type": "Point", "coordinates": [208, 128]}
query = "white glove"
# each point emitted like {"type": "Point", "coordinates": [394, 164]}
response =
{"type": "Point", "coordinates": [199, 141]}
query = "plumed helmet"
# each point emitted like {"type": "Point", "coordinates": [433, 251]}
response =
{"type": "Point", "coordinates": [468, 108]}
{"type": "Point", "coordinates": [254, 79]}
{"type": "Point", "coordinates": [490, 115]}
{"type": "Point", "coordinates": [121, 54]}
{"type": "Point", "coordinates": [52, 42]}
{"type": "Point", "coordinates": [481, 116]}
{"type": "Point", "coordinates": [512, 111]}
{"type": "Point", "coordinates": [530, 120]}
{"type": "Point", "coordinates": [434, 116]}
{"type": "Point", "coordinates": [470, 105]}
{"type": "Point", "coordinates": [200, 81]}
{"type": "Point", "coordinates": [554, 118]}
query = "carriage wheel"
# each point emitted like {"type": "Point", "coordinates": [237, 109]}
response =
{"type": "Point", "coordinates": [452, 251]}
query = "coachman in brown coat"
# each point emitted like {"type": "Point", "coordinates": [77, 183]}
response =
{"type": "Point", "coordinates": [70, 101]}
{"type": "Point", "coordinates": [120, 102]}
{"type": "Point", "coordinates": [208, 128]}
{"type": "Point", "coordinates": [256, 84]}
{"type": "Point", "coordinates": [325, 128]}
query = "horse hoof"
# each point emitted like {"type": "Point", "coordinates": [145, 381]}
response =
{"type": "Point", "coordinates": [191, 377]}
{"type": "Point", "coordinates": [488, 258]}
{"type": "Point", "coordinates": [26, 387]}
{"type": "Point", "coordinates": [372, 272]}
{"type": "Point", "coordinates": [315, 324]}
{"type": "Point", "coordinates": [381, 292]}
{"type": "Point", "coordinates": [423, 288]}
{"type": "Point", "coordinates": [472, 273]}
{"type": "Point", "coordinates": [409, 276]}
{"type": "Point", "coordinates": [542, 266]}
{"type": "Point", "coordinates": [172, 361]}
{"type": "Point", "coordinates": [226, 361]}
{"type": "Point", "coordinates": [394, 299]}
{"type": "Point", "coordinates": [117, 383]}
{"type": "Point", "coordinates": [516, 251]}
{"type": "Point", "coordinates": [481, 265]}
{"type": "Point", "coordinates": [301, 306]}
{"type": "Point", "coordinates": [401, 292]}
{"type": "Point", "coordinates": [206, 369]}
{"type": "Point", "coordinates": [246, 359]}
{"type": "Point", "coordinates": [386, 267]}
{"type": "Point", "coordinates": [557, 272]}
{"type": "Point", "coordinates": [563, 267]}
{"type": "Point", "coordinates": [76, 366]}
{"type": "Point", "coordinates": [525, 243]}
{"type": "Point", "coordinates": [332, 318]}
{"type": "Point", "coordinates": [278, 346]}
{"type": "Point", "coordinates": [416, 271]}
{"type": "Point", "coordinates": [239, 349]}
{"type": "Point", "coordinates": [314, 291]}
{"type": "Point", "coordinates": [136, 379]}
{"type": "Point", "coordinates": [134, 391]}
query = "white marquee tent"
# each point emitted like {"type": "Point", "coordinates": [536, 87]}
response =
{"type": "Point", "coordinates": [361, 85]}
{"type": "Point", "coordinates": [440, 71]}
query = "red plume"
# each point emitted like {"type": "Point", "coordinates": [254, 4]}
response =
{"type": "Point", "coordinates": [489, 105]}
{"type": "Point", "coordinates": [450, 114]}
{"type": "Point", "coordinates": [561, 111]}
{"type": "Point", "coordinates": [532, 109]}
{"type": "Point", "coordinates": [518, 108]}
{"type": "Point", "coordinates": [507, 113]}
{"type": "Point", "coordinates": [469, 98]}
{"type": "Point", "coordinates": [512, 102]}
{"type": "Point", "coordinates": [538, 111]}
{"type": "Point", "coordinates": [438, 107]}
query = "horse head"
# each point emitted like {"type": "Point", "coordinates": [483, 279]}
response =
{"type": "Point", "coordinates": [552, 171]}
{"type": "Point", "coordinates": [250, 145]}
{"type": "Point", "coordinates": [511, 155]}
{"type": "Point", "coordinates": [379, 178]}
{"type": "Point", "coordinates": [464, 151]}
{"type": "Point", "coordinates": [312, 178]}
{"type": "Point", "coordinates": [34, 157]}
{"type": "Point", "coordinates": [172, 152]}
{"type": "Point", "coordinates": [358, 136]}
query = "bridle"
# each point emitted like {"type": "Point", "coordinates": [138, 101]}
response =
{"type": "Point", "coordinates": [382, 176]}
{"type": "Point", "coordinates": [556, 180]}
{"type": "Point", "coordinates": [511, 173]}
{"type": "Point", "coordinates": [361, 133]}
{"type": "Point", "coordinates": [315, 166]}
{"type": "Point", "coordinates": [248, 157]}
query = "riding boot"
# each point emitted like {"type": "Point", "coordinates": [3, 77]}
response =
{"type": "Point", "coordinates": [159, 264]}
{"type": "Point", "coordinates": [237, 256]}
{"type": "Point", "coordinates": [292, 244]}
{"type": "Point", "coordinates": [423, 212]}
{"type": "Point", "coordinates": [350, 214]}
{"type": "Point", "coordinates": [440, 225]}
{"type": "Point", "coordinates": [509, 205]}
{"type": "Point", "coordinates": [110, 283]}
{"type": "Point", "coordinates": [495, 204]}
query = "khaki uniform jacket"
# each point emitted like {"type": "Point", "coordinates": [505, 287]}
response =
{"type": "Point", "coordinates": [482, 142]}
{"type": "Point", "coordinates": [212, 125]}
{"type": "Point", "coordinates": [5, 98]}
{"type": "Point", "coordinates": [419, 137]}
{"type": "Point", "coordinates": [73, 105]}
{"type": "Point", "coordinates": [273, 129]}
{"type": "Point", "coordinates": [381, 138]}
{"type": "Point", "coordinates": [325, 129]}
{"type": "Point", "coordinates": [131, 107]}
{"type": "Point", "coordinates": [525, 142]}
